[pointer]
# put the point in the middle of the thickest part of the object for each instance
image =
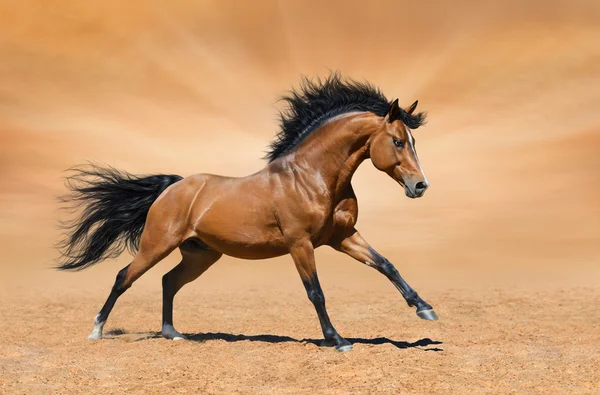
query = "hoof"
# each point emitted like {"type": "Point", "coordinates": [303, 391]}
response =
{"type": "Point", "coordinates": [428, 315]}
{"type": "Point", "coordinates": [95, 336]}
{"type": "Point", "coordinates": [169, 332]}
{"type": "Point", "coordinates": [344, 348]}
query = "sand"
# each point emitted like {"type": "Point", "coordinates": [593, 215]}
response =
{"type": "Point", "coordinates": [505, 244]}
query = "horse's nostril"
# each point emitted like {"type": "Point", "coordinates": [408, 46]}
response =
{"type": "Point", "coordinates": [421, 186]}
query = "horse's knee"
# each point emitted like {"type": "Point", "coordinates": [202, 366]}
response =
{"type": "Point", "coordinates": [316, 296]}
{"type": "Point", "coordinates": [384, 266]}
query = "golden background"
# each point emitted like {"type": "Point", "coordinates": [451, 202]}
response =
{"type": "Point", "coordinates": [511, 148]}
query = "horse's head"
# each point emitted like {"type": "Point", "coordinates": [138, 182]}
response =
{"type": "Point", "coordinates": [392, 149]}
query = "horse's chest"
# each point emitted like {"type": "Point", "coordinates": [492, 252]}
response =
{"type": "Point", "coordinates": [316, 217]}
{"type": "Point", "coordinates": [335, 219]}
{"type": "Point", "coordinates": [319, 217]}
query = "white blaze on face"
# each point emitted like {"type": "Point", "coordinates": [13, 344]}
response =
{"type": "Point", "coordinates": [411, 145]}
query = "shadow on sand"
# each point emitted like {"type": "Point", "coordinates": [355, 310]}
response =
{"type": "Point", "coordinates": [203, 337]}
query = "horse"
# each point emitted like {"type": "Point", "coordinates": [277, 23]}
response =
{"type": "Point", "coordinates": [301, 200]}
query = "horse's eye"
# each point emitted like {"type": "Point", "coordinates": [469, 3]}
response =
{"type": "Point", "coordinates": [399, 143]}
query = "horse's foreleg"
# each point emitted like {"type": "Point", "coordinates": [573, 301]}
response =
{"type": "Point", "coordinates": [193, 264]}
{"type": "Point", "coordinates": [304, 258]}
{"type": "Point", "coordinates": [357, 247]}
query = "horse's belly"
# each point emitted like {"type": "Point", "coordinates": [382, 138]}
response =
{"type": "Point", "coordinates": [242, 236]}
{"type": "Point", "coordinates": [252, 244]}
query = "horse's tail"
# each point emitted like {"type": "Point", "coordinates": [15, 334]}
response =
{"type": "Point", "coordinates": [115, 205]}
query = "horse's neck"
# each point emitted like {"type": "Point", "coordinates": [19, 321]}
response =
{"type": "Point", "coordinates": [338, 148]}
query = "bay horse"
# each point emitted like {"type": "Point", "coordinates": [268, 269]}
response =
{"type": "Point", "coordinates": [301, 200]}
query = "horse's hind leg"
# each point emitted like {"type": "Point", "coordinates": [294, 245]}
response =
{"type": "Point", "coordinates": [154, 246]}
{"type": "Point", "coordinates": [196, 260]}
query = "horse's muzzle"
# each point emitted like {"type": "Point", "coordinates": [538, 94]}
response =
{"type": "Point", "coordinates": [416, 190]}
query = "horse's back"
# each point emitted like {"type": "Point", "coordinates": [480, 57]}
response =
{"type": "Point", "coordinates": [229, 214]}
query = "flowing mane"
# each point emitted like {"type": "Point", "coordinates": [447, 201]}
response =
{"type": "Point", "coordinates": [315, 102]}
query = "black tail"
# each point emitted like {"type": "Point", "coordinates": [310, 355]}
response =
{"type": "Point", "coordinates": [115, 205]}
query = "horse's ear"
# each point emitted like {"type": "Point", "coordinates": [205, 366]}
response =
{"type": "Point", "coordinates": [393, 112]}
{"type": "Point", "coordinates": [412, 107]}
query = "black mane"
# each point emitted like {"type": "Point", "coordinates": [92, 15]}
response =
{"type": "Point", "coordinates": [318, 101]}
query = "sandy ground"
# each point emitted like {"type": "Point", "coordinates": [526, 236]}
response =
{"type": "Point", "coordinates": [505, 244]}
{"type": "Point", "coordinates": [263, 336]}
